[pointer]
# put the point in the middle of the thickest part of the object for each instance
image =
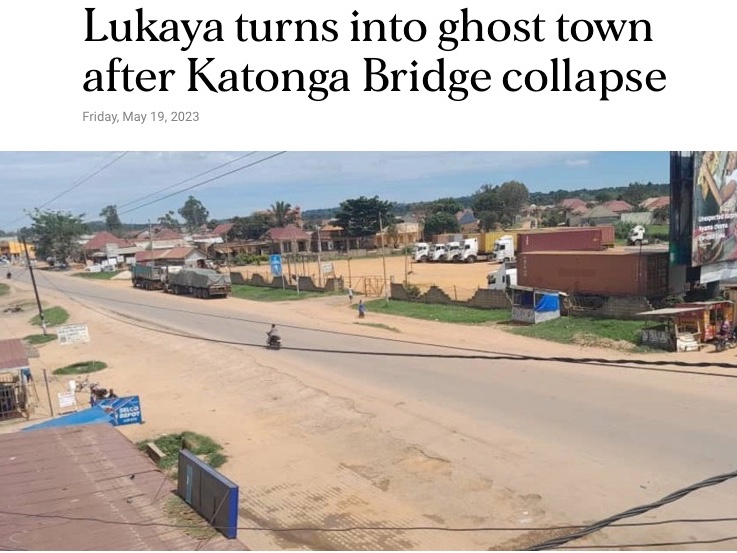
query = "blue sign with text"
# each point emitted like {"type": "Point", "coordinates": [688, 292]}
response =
{"type": "Point", "coordinates": [275, 262]}
{"type": "Point", "coordinates": [123, 410]}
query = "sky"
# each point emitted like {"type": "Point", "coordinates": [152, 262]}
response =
{"type": "Point", "coordinates": [85, 182]}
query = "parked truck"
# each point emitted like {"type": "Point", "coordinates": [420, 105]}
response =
{"type": "Point", "coordinates": [421, 252]}
{"type": "Point", "coordinates": [438, 252]}
{"type": "Point", "coordinates": [636, 236]}
{"type": "Point", "coordinates": [148, 277]}
{"type": "Point", "coordinates": [453, 252]}
{"type": "Point", "coordinates": [503, 277]}
{"type": "Point", "coordinates": [200, 283]}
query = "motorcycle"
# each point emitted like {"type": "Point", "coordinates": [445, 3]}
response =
{"type": "Point", "coordinates": [97, 393]}
{"type": "Point", "coordinates": [723, 342]}
{"type": "Point", "coordinates": [273, 342]}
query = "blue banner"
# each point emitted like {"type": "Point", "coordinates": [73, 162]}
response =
{"type": "Point", "coordinates": [275, 262]}
{"type": "Point", "coordinates": [122, 410]}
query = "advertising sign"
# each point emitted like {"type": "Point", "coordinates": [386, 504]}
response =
{"type": "Point", "coordinates": [714, 237]}
{"type": "Point", "coordinates": [73, 334]}
{"type": "Point", "coordinates": [123, 410]}
{"type": "Point", "coordinates": [275, 262]}
{"type": "Point", "coordinates": [67, 401]}
{"type": "Point", "coordinates": [328, 269]}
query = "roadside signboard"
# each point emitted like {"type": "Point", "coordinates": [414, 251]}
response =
{"type": "Point", "coordinates": [328, 269]}
{"type": "Point", "coordinates": [67, 401]}
{"type": "Point", "coordinates": [275, 263]}
{"type": "Point", "coordinates": [123, 410]}
{"type": "Point", "coordinates": [73, 334]}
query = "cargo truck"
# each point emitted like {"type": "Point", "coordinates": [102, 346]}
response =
{"type": "Point", "coordinates": [503, 277]}
{"type": "Point", "coordinates": [438, 252]}
{"type": "Point", "coordinates": [200, 283]}
{"type": "Point", "coordinates": [421, 252]}
{"type": "Point", "coordinates": [453, 252]}
{"type": "Point", "coordinates": [148, 277]}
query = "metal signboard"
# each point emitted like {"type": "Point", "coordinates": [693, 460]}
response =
{"type": "Point", "coordinates": [327, 268]}
{"type": "Point", "coordinates": [123, 410]}
{"type": "Point", "coordinates": [73, 334]}
{"type": "Point", "coordinates": [276, 266]}
{"type": "Point", "coordinates": [67, 401]}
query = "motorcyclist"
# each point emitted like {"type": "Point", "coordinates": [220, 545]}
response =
{"type": "Point", "coordinates": [273, 335]}
{"type": "Point", "coordinates": [725, 330]}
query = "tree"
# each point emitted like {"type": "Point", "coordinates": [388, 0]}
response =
{"type": "Point", "coordinates": [360, 216]}
{"type": "Point", "coordinates": [194, 213]}
{"type": "Point", "coordinates": [252, 227]}
{"type": "Point", "coordinates": [662, 213]}
{"type": "Point", "coordinates": [514, 195]}
{"type": "Point", "coordinates": [112, 220]}
{"type": "Point", "coordinates": [439, 223]}
{"type": "Point", "coordinates": [444, 205]}
{"type": "Point", "coordinates": [55, 234]}
{"type": "Point", "coordinates": [281, 213]}
{"type": "Point", "coordinates": [169, 221]}
{"type": "Point", "coordinates": [603, 196]}
{"type": "Point", "coordinates": [488, 207]}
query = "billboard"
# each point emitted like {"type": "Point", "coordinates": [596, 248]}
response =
{"type": "Point", "coordinates": [714, 236]}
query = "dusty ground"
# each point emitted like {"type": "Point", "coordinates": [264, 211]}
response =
{"type": "Point", "coordinates": [308, 455]}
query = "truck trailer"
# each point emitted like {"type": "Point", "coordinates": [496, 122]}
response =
{"type": "Point", "coordinates": [200, 283]}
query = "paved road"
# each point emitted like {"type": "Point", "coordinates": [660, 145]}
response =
{"type": "Point", "coordinates": [591, 440]}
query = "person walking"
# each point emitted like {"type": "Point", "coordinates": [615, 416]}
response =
{"type": "Point", "coordinates": [350, 295]}
{"type": "Point", "coordinates": [361, 309]}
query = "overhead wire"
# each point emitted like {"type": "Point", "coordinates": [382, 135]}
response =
{"type": "Point", "coordinates": [202, 174]}
{"type": "Point", "coordinates": [202, 183]}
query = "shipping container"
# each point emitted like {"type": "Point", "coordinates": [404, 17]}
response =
{"type": "Point", "coordinates": [579, 239]}
{"type": "Point", "coordinates": [607, 232]}
{"type": "Point", "coordinates": [606, 273]}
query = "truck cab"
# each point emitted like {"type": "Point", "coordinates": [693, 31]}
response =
{"type": "Point", "coordinates": [452, 252]}
{"type": "Point", "coordinates": [438, 252]}
{"type": "Point", "coordinates": [505, 276]}
{"type": "Point", "coordinates": [503, 251]}
{"type": "Point", "coordinates": [636, 236]}
{"type": "Point", "coordinates": [470, 250]}
{"type": "Point", "coordinates": [421, 252]}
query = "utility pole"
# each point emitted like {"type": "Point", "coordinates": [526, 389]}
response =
{"type": "Point", "coordinates": [319, 251]}
{"type": "Point", "coordinates": [383, 259]}
{"type": "Point", "coordinates": [150, 241]}
{"type": "Point", "coordinates": [35, 288]}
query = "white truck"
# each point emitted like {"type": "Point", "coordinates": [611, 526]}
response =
{"type": "Point", "coordinates": [636, 236]}
{"type": "Point", "coordinates": [453, 252]}
{"type": "Point", "coordinates": [421, 252]}
{"type": "Point", "coordinates": [438, 252]}
{"type": "Point", "coordinates": [470, 251]}
{"type": "Point", "coordinates": [503, 251]}
{"type": "Point", "coordinates": [505, 275]}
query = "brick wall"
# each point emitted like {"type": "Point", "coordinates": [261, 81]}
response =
{"type": "Point", "coordinates": [305, 283]}
{"type": "Point", "coordinates": [482, 299]}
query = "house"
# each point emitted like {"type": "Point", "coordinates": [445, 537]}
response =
{"type": "Point", "coordinates": [105, 245]}
{"type": "Point", "coordinates": [651, 204]}
{"type": "Point", "coordinates": [228, 250]}
{"type": "Point", "coordinates": [187, 256]}
{"type": "Point", "coordinates": [14, 371]}
{"type": "Point", "coordinates": [597, 216]}
{"type": "Point", "coordinates": [403, 234]}
{"type": "Point", "coordinates": [572, 204]}
{"type": "Point", "coordinates": [329, 238]}
{"type": "Point", "coordinates": [289, 239]}
{"type": "Point", "coordinates": [618, 206]}
{"type": "Point", "coordinates": [12, 249]}
{"type": "Point", "coordinates": [164, 238]}
{"type": "Point", "coordinates": [467, 221]}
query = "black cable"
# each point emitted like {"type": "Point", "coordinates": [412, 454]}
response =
{"type": "Point", "coordinates": [643, 545]}
{"type": "Point", "coordinates": [212, 179]}
{"type": "Point", "coordinates": [186, 180]}
{"type": "Point", "coordinates": [635, 511]}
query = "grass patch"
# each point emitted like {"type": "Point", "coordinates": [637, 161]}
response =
{"type": "Point", "coordinates": [98, 276]}
{"type": "Point", "coordinates": [38, 339]}
{"type": "Point", "coordinates": [54, 316]}
{"type": "Point", "coordinates": [262, 293]}
{"type": "Point", "coordinates": [432, 312]}
{"type": "Point", "coordinates": [82, 367]}
{"type": "Point", "coordinates": [4, 289]}
{"type": "Point", "coordinates": [380, 325]}
{"type": "Point", "coordinates": [586, 331]}
{"type": "Point", "coordinates": [202, 446]}
{"type": "Point", "coordinates": [183, 515]}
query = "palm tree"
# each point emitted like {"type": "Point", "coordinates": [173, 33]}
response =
{"type": "Point", "coordinates": [281, 213]}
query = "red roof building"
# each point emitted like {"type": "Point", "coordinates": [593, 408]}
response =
{"type": "Point", "coordinates": [618, 206]}
{"type": "Point", "coordinates": [572, 204]}
{"type": "Point", "coordinates": [651, 204]}
{"type": "Point", "coordinates": [100, 241]}
{"type": "Point", "coordinates": [222, 229]}
{"type": "Point", "coordinates": [187, 255]}
{"type": "Point", "coordinates": [289, 238]}
{"type": "Point", "coordinates": [13, 355]}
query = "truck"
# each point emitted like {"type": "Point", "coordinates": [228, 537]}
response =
{"type": "Point", "coordinates": [148, 277]}
{"type": "Point", "coordinates": [421, 252]}
{"type": "Point", "coordinates": [200, 283]}
{"type": "Point", "coordinates": [438, 252]}
{"type": "Point", "coordinates": [503, 277]}
{"type": "Point", "coordinates": [453, 252]}
{"type": "Point", "coordinates": [504, 249]}
{"type": "Point", "coordinates": [636, 236]}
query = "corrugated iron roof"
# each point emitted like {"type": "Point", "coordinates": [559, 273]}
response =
{"type": "Point", "coordinates": [168, 253]}
{"type": "Point", "coordinates": [86, 488]}
{"type": "Point", "coordinates": [102, 239]}
{"type": "Point", "coordinates": [12, 354]}
{"type": "Point", "coordinates": [290, 232]}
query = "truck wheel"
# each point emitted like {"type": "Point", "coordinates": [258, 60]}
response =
{"type": "Point", "coordinates": [506, 260]}
{"type": "Point", "coordinates": [638, 242]}
{"type": "Point", "coordinates": [471, 259]}
{"type": "Point", "coordinates": [206, 294]}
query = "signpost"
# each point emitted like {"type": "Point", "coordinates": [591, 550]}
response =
{"type": "Point", "coordinates": [275, 263]}
{"type": "Point", "coordinates": [73, 334]}
{"type": "Point", "coordinates": [123, 410]}
{"type": "Point", "coordinates": [67, 402]}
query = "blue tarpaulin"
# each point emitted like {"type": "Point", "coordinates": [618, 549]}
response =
{"type": "Point", "coordinates": [93, 415]}
{"type": "Point", "coordinates": [549, 302]}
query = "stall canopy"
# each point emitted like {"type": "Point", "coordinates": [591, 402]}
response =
{"type": "Point", "coordinates": [13, 355]}
{"type": "Point", "coordinates": [548, 302]}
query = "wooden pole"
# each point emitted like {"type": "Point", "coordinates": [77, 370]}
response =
{"type": "Point", "coordinates": [383, 259]}
{"type": "Point", "coordinates": [48, 391]}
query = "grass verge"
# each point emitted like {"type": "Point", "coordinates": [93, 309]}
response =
{"type": "Point", "coordinates": [183, 515]}
{"type": "Point", "coordinates": [38, 339]}
{"type": "Point", "coordinates": [54, 316]}
{"type": "Point", "coordinates": [262, 293]}
{"type": "Point", "coordinates": [622, 335]}
{"type": "Point", "coordinates": [199, 444]}
{"type": "Point", "coordinates": [82, 367]}
{"type": "Point", "coordinates": [4, 289]}
{"type": "Point", "coordinates": [380, 325]}
{"type": "Point", "coordinates": [432, 312]}
{"type": "Point", "coordinates": [98, 276]}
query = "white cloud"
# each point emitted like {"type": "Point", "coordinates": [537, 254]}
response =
{"type": "Point", "coordinates": [577, 162]}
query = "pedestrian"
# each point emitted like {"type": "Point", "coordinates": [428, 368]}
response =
{"type": "Point", "coordinates": [350, 295]}
{"type": "Point", "coordinates": [361, 309]}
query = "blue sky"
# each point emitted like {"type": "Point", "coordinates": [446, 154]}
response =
{"type": "Point", "coordinates": [308, 179]}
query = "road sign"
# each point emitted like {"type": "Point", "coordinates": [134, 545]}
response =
{"type": "Point", "coordinates": [275, 262]}
{"type": "Point", "coordinates": [73, 334]}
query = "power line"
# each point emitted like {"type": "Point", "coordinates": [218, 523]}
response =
{"type": "Point", "coordinates": [186, 180]}
{"type": "Point", "coordinates": [212, 179]}
{"type": "Point", "coordinates": [643, 545]}
{"type": "Point", "coordinates": [635, 511]}
{"type": "Point", "coordinates": [75, 185]}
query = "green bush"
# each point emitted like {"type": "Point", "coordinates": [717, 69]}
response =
{"type": "Point", "coordinates": [413, 291]}
{"type": "Point", "coordinates": [622, 229]}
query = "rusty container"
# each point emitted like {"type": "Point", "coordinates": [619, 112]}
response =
{"type": "Point", "coordinates": [580, 239]}
{"type": "Point", "coordinates": [606, 273]}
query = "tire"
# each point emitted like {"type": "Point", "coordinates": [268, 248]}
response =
{"type": "Point", "coordinates": [471, 259]}
{"type": "Point", "coordinates": [732, 344]}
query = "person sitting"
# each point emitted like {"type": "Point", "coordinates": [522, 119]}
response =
{"type": "Point", "coordinates": [725, 330]}
{"type": "Point", "coordinates": [273, 334]}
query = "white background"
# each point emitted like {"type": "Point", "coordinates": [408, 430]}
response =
{"type": "Point", "coordinates": [45, 58]}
